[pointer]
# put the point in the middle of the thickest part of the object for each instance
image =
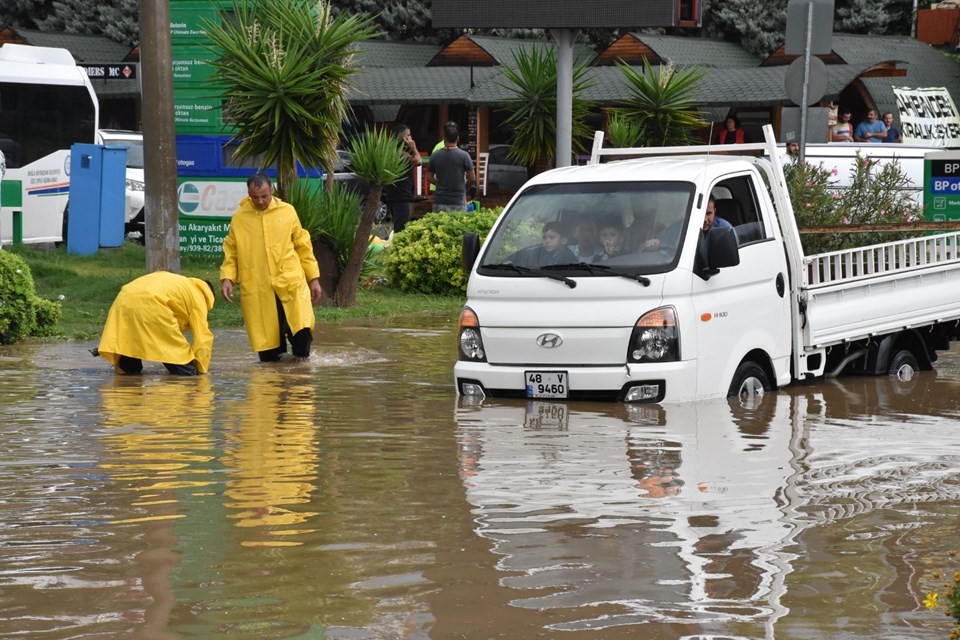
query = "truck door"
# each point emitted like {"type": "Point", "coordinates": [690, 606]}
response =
{"type": "Point", "coordinates": [746, 307]}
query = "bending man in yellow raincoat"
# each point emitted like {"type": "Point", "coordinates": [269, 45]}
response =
{"type": "Point", "coordinates": [269, 255]}
{"type": "Point", "coordinates": [147, 321]}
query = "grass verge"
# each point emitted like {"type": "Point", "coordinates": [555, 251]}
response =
{"type": "Point", "coordinates": [87, 285]}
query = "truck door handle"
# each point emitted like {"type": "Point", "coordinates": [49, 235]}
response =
{"type": "Point", "coordinates": [780, 285]}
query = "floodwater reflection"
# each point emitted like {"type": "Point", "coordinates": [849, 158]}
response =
{"type": "Point", "coordinates": [355, 497]}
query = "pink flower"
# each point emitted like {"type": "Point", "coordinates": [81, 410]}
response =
{"type": "Point", "coordinates": [846, 221]}
{"type": "Point", "coordinates": [809, 183]}
{"type": "Point", "coordinates": [834, 172]}
{"type": "Point", "coordinates": [836, 196]}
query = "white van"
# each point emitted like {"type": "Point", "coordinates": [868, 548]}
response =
{"type": "Point", "coordinates": [695, 315]}
{"type": "Point", "coordinates": [841, 156]}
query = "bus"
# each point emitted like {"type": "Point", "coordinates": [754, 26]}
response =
{"type": "Point", "coordinates": [46, 105]}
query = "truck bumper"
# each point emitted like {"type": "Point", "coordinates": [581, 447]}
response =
{"type": "Point", "coordinates": [663, 382]}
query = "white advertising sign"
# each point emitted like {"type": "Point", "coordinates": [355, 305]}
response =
{"type": "Point", "coordinates": [928, 116]}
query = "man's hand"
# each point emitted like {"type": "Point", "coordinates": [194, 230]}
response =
{"type": "Point", "coordinates": [316, 293]}
{"type": "Point", "coordinates": [226, 289]}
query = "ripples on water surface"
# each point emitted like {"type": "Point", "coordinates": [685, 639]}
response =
{"type": "Point", "coordinates": [354, 497]}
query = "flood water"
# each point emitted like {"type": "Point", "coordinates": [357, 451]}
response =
{"type": "Point", "coordinates": [355, 497]}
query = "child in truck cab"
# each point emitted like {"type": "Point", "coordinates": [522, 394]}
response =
{"type": "Point", "coordinates": [553, 250]}
{"type": "Point", "coordinates": [612, 236]}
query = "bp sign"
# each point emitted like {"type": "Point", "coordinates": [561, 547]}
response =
{"type": "Point", "coordinates": [941, 178]}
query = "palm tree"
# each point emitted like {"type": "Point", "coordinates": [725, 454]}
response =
{"type": "Point", "coordinates": [664, 103]}
{"type": "Point", "coordinates": [378, 159]}
{"type": "Point", "coordinates": [533, 107]}
{"type": "Point", "coordinates": [285, 65]}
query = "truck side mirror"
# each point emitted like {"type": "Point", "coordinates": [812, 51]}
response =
{"type": "Point", "coordinates": [470, 250]}
{"type": "Point", "coordinates": [721, 251]}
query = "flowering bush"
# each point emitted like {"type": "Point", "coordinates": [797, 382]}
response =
{"type": "Point", "coordinates": [950, 602]}
{"type": "Point", "coordinates": [425, 256]}
{"type": "Point", "coordinates": [876, 195]}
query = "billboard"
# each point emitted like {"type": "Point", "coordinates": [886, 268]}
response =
{"type": "Point", "coordinates": [572, 14]}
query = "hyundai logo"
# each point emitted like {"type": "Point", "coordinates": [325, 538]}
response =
{"type": "Point", "coordinates": [549, 340]}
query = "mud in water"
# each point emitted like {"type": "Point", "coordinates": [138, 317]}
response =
{"type": "Point", "coordinates": [354, 496]}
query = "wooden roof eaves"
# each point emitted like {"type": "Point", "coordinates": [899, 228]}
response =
{"type": "Point", "coordinates": [441, 59]}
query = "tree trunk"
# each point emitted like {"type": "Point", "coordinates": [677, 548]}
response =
{"type": "Point", "coordinates": [329, 271]}
{"type": "Point", "coordinates": [346, 294]}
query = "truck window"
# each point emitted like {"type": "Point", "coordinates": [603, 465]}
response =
{"type": "Point", "coordinates": [635, 226]}
{"type": "Point", "coordinates": [736, 202]}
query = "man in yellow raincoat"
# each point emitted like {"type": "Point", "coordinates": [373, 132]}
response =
{"type": "Point", "coordinates": [269, 255]}
{"type": "Point", "coordinates": [147, 321]}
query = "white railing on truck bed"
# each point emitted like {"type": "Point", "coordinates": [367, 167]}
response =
{"type": "Point", "coordinates": [876, 260]}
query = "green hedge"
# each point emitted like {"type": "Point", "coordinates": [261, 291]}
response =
{"type": "Point", "coordinates": [22, 312]}
{"type": "Point", "coordinates": [425, 256]}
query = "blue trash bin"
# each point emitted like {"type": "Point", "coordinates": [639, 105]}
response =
{"type": "Point", "coordinates": [97, 196]}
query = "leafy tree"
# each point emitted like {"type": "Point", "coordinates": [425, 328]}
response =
{"type": "Point", "coordinates": [72, 16]}
{"type": "Point", "coordinates": [120, 21]}
{"type": "Point", "coordinates": [757, 26]}
{"type": "Point", "coordinates": [533, 107]}
{"type": "Point", "coordinates": [25, 13]}
{"type": "Point", "coordinates": [877, 17]}
{"type": "Point", "coordinates": [663, 102]}
{"type": "Point", "coordinates": [285, 65]}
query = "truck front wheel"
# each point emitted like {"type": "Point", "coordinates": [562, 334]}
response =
{"type": "Point", "coordinates": [903, 365]}
{"type": "Point", "coordinates": [749, 381]}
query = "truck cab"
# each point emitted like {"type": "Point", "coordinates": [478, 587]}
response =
{"type": "Point", "coordinates": [640, 302]}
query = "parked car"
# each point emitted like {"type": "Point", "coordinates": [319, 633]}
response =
{"type": "Point", "coordinates": [503, 173]}
{"type": "Point", "coordinates": [133, 141]}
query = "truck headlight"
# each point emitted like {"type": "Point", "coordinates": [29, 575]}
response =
{"type": "Point", "coordinates": [655, 337]}
{"type": "Point", "coordinates": [133, 185]}
{"type": "Point", "coordinates": [471, 344]}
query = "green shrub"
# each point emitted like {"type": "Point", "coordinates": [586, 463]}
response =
{"type": "Point", "coordinates": [425, 256]}
{"type": "Point", "coordinates": [22, 312]}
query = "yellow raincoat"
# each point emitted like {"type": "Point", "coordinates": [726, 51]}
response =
{"type": "Point", "coordinates": [149, 316]}
{"type": "Point", "coordinates": [267, 253]}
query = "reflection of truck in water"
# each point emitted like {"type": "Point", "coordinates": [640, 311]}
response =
{"type": "Point", "coordinates": [666, 312]}
{"type": "Point", "coordinates": [46, 105]}
{"type": "Point", "coordinates": [704, 517]}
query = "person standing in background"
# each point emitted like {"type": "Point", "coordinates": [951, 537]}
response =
{"type": "Point", "coordinates": [870, 130]}
{"type": "Point", "coordinates": [732, 132]}
{"type": "Point", "coordinates": [843, 130]}
{"type": "Point", "coordinates": [399, 196]}
{"type": "Point", "coordinates": [893, 134]}
{"type": "Point", "coordinates": [451, 169]}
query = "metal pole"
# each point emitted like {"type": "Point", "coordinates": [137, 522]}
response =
{"type": "Point", "coordinates": [160, 158]}
{"type": "Point", "coordinates": [806, 85]}
{"type": "Point", "coordinates": [564, 39]}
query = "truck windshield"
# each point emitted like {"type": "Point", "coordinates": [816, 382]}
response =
{"type": "Point", "coordinates": [631, 227]}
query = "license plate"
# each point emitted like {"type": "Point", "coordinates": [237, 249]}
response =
{"type": "Point", "coordinates": [542, 416]}
{"type": "Point", "coordinates": [546, 384]}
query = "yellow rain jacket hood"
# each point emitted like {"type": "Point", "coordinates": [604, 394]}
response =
{"type": "Point", "coordinates": [149, 316]}
{"type": "Point", "coordinates": [268, 253]}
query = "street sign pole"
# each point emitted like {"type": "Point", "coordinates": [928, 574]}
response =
{"type": "Point", "coordinates": [806, 85]}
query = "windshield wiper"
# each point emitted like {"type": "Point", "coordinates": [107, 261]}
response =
{"type": "Point", "coordinates": [509, 266]}
{"type": "Point", "coordinates": [602, 268]}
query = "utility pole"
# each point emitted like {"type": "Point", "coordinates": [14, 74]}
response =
{"type": "Point", "coordinates": [161, 224]}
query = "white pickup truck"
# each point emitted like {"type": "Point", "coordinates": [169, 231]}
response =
{"type": "Point", "coordinates": [664, 312]}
